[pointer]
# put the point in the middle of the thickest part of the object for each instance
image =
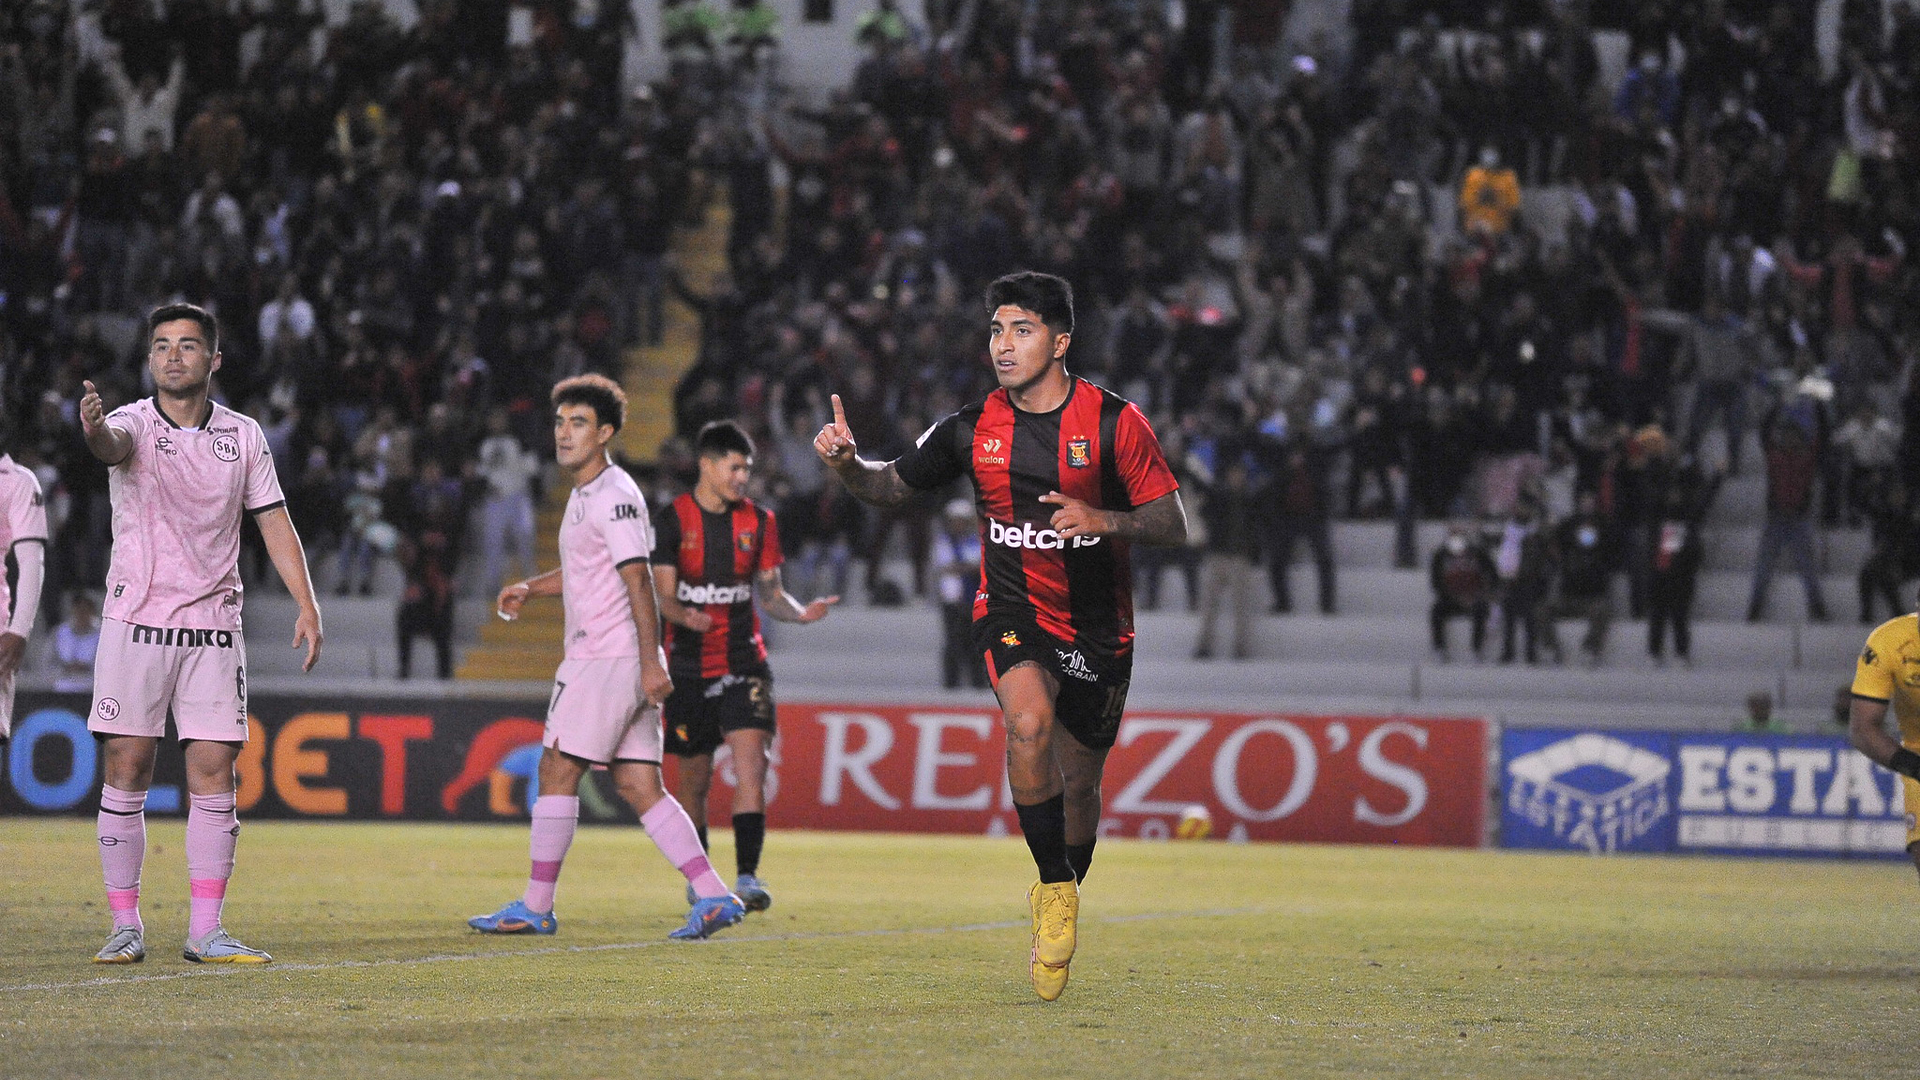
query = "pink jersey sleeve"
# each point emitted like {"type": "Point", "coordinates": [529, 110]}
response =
{"type": "Point", "coordinates": [26, 509]}
{"type": "Point", "coordinates": [130, 419]}
{"type": "Point", "coordinates": [263, 481]}
{"type": "Point", "coordinates": [624, 523]}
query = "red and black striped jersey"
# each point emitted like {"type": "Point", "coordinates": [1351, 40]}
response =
{"type": "Point", "coordinates": [1097, 447]}
{"type": "Point", "coordinates": [717, 556]}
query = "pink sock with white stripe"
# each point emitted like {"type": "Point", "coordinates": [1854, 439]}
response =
{"type": "Point", "coordinates": [554, 819]}
{"type": "Point", "coordinates": [213, 833]}
{"type": "Point", "coordinates": [122, 827]}
{"type": "Point", "coordinates": [673, 833]}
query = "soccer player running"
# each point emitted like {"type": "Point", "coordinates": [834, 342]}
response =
{"type": "Point", "coordinates": [1067, 476]}
{"type": "Point", "coordinates": [603, 710]}
{"type": "Point", "coordinates": [182, 470]}
{"type": "Point", "coordinates": [726, 549]}
{"type": "Point", "coordinates": [1883, 677]}
{"type": "Point", "coordinates": [23, 533]}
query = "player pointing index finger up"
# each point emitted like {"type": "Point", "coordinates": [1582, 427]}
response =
{"type": "Point", "coordinates": [1067, 477]}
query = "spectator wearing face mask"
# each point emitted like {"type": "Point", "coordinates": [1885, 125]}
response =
{"type": "Point", "coordinates": [1589, 555]}
{"type": "Point", "coordinates": [1463, 577]}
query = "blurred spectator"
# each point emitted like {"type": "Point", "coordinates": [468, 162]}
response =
{"type": "Point", "coordinates": [427, 552]}
{"type": "Point", "coordinates": [956, 566]}
{"type": "Point", "coordinates": [1677, 552]}
{"type": "Point", "coordinates": [1792, 464]}
{"type": "Point", "coordinates": [1300, 506]}
{"type": "Point", "coordinates": [75, 642]}
{"type": "Point", "coordinates": [1894, 556]}
{"type": "Point", "coordinates": [508, 470]}
{"type": "Point", "coordinates": [1463, 578]}
{"type": "Point", "coordinates": [1588, 552]}
{"type": "Point", "coordinates": [1232, 512]}
{"type": "Point", "coordinates": [1524, 563]}
{"type": "Point", "coordinates": [1489, 196]}
{"type": "Point", "coordinates": [1759, 715]}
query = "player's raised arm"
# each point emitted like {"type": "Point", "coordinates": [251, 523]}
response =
{"type": "Point", "coordinates": [874, 482]}
{"type": "Point", "coordinates": [109, 443]}
{"type": "Point", "coordinates": [290, 559]}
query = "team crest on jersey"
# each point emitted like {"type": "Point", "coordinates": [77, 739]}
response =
{"type": "Point", "coordinates": [743, 540]}
{"type": "Point", "coordinates": [226, 448]}
{"type": "Point", "coordinates": [1078, 455]}
{"type": "Point", "coordinates": [1009, 638]}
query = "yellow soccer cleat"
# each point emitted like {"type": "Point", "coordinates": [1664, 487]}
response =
{"type": "Point", "coordinates": [1055, 907]}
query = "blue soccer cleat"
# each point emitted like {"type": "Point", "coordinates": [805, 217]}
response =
{"type": "Point", "coordinates": [515, 918]}
{"type": "Point", "coordinates": [709, 916]}
{"type": "Point", "coordinates": [753, 893]}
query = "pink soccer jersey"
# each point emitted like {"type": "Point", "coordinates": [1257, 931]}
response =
{"type": "Point", "coordinates": [606, 527]}
{"type": "Point", "coordinates": [23, 516]}
{"type": "Point", "coordinates": [177, 502]}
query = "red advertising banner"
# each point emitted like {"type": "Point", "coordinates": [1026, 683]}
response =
{"type": "Point", "coordinates": [1340, 779]}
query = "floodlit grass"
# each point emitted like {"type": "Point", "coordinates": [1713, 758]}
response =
{"type": "Point", "coordinates": [893, 956]}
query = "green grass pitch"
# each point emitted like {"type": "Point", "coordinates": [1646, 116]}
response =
{"type": "Point", "coordinates": [888, 956]}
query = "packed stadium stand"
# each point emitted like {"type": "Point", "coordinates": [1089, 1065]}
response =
{"type": "Point", "coordinates": [1418, 269]}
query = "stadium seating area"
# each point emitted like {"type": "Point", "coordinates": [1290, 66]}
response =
{"type": "Point", "coordinates": [1412, 263]}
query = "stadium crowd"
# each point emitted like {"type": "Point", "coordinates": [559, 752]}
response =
{"type": "Point", "coordinates": [1436, 264]}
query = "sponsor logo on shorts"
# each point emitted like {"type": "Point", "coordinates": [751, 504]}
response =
{"type": "Point", "coordinates": [1009, 638]}
{"type": "Point", "coordinates": [108, 708]}
{"type": "Point", "coordinates": [226, 448]}
{"type": "Point", "coordinates": [1025, 535]}
{"type": "Point", "coordinates": [714, 594]}
{"type": "Point", "coordinates": [1078, 454]}
{"type": "Point", "coordinates": [1075, 665]}
{"type": "Point", "coordinates": [181, 636]}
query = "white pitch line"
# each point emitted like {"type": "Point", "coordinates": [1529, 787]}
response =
{"type": "Point", "coordinates": [553, 950]}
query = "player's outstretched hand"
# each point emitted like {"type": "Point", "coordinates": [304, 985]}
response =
{"type": "Point", "coordinates": [507, 604]}
{"type": "Point", "coordinates": [835, 443]}
{"type": "Point", "coordinates": [306, 631]}
{"type": "Point", "coordinates": [1075, 517]}
{"type": "Point", "coordinates": [818, 609]}
{"type": "Point", "coordinates": [93, 412]}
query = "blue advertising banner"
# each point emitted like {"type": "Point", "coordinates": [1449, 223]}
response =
{"type": "Point", "coordinates": [1587, 791]}
{"type": "Point", "coordinates": [1606, 791]}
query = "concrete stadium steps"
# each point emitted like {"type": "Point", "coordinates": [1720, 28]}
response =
{"type": "Point", "coordinates": [1721, 594]}
{"type": "Point", "coordinates": [1368, 545]}
{"type": "Point", "coordinates": [653, 372]}
{"type": "Point", "coordinates": [889, 638]}
{"type": "Point", "coordinates": [1368, 662]}
{"type": "Point", "coordinates": [528, 647]}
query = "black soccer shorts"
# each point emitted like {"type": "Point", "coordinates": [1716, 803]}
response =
{"type": "Point", "coordinates": [700, 713]}
{"type": "Point", "coordinates": [1093, 685]}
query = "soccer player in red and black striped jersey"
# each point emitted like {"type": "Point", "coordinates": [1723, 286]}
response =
{"type": "Point", "coordinates": [1067, 476]}
{"type": "Point", "coordinates": [725, 550]}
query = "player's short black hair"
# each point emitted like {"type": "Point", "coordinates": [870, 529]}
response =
{"type": "Point", "coordinates": [596, 392]}
{"type": "Point", "coordinates": [1045, 295]}
{"type": "Point", "coordinates": [209, 323]}
{"type": "Point", "coordinates": [719, 438]}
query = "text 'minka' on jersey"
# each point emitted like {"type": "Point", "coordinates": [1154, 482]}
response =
{"type": "Point", "coordinates": [716, 557]}
{"type": "Point", "coordinates": [1096, 447]}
